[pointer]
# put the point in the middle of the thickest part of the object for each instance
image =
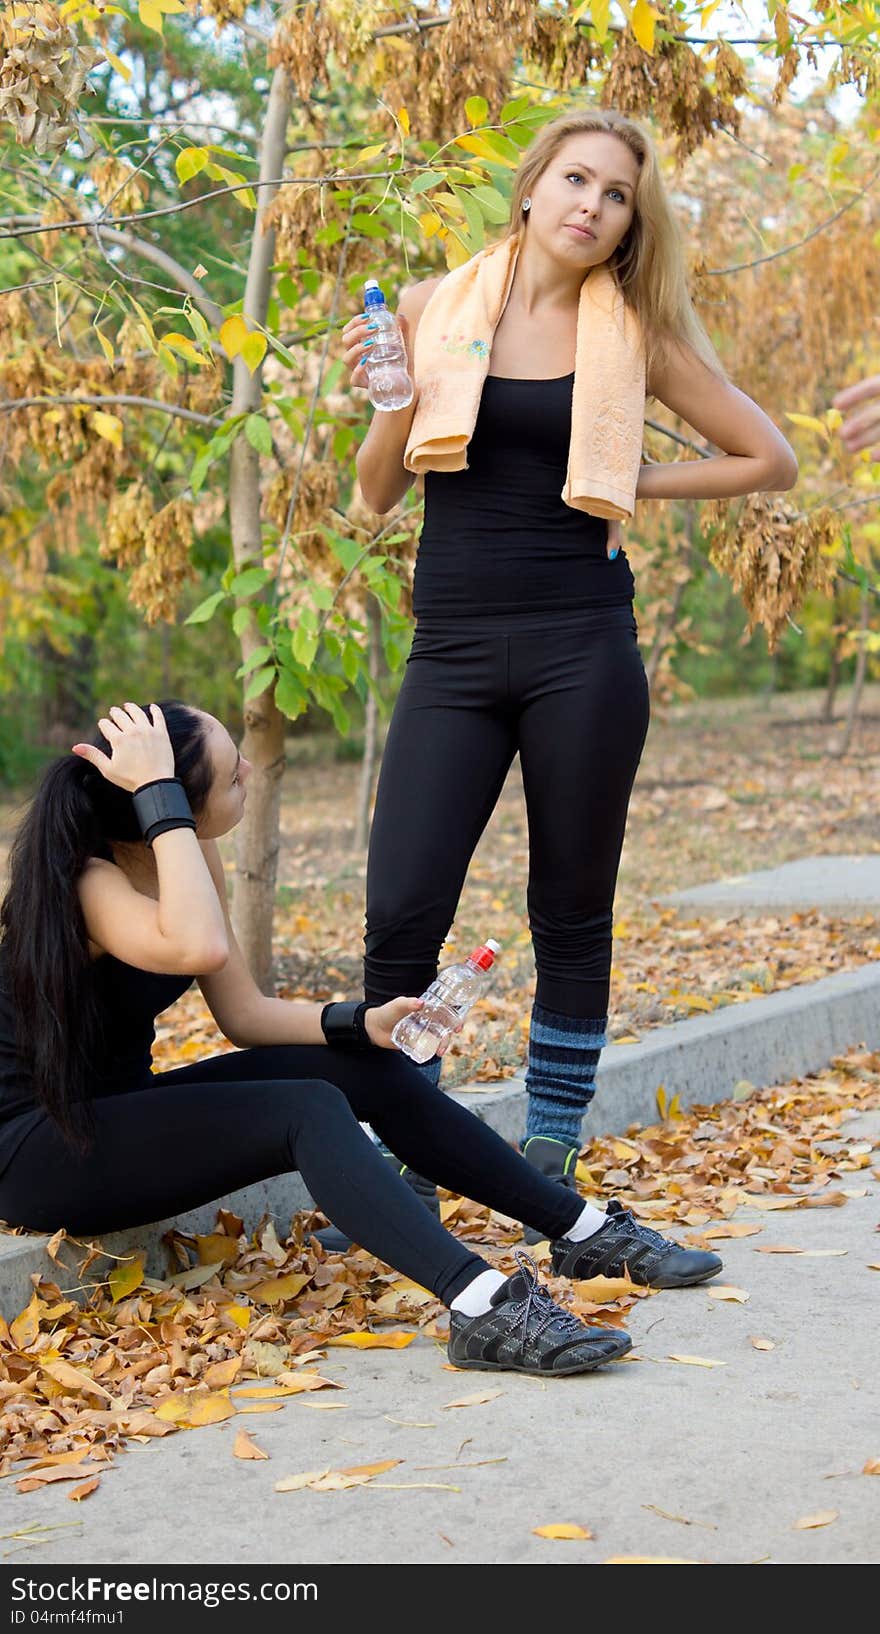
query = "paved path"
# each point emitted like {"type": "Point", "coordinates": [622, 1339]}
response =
{"type": "Point", "coordinates": [834, 885]}
{"type": "Point", "coordinates": [740, 1451]}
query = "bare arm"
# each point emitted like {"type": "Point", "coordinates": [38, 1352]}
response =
{"type": "Point", "coordinates": [248, 1017]}
{"type": "Point", "coordinates": [381, 472]}
{"type": "Point", "coordinates": [756, 458]}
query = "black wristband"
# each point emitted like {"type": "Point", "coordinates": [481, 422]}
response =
{"type": "Point", "coordinates": [344, 1027]}
{"type": "Point", "coordinates": [160, 806]}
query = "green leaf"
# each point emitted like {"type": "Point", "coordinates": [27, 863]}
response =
{"type": "Point", "coordinates": [305, 645]}
{"type": "Point", "coordinates": [477, 109]}
{"type": "Point", "coordinates": [259, 682]}
{"type": "Point", "coordinates": [206, 609]}
{"type": "Point", "coordinates": [371, 226]}
{"type": "Point", "coordinates": [290, 695]}
{"type": "Point", "coordinates": [493, 204]}
{"type": "Point", "coordinates": [352, 661]}
{"type": "Point", "coordinates": [393, 653]}
{"type": "Point", "coordinates": [473, 215]}
{"type": "Point", "coordinates": [258, 433]}
{"type": "Point", "coordinates": [330, 234]}
{"type": "Point", "coordinates": [421, 183]}
{"type": "Point", "coordinates": [241, 618]}
{"type": "Point", "coordinates": [249, 581]}
{"type": "Point", "coordinates": [189, 162]}
{"type": "Point", "coordinates": [288, 291]}
{"type": "Point", "coordinates": [512, 110]}
{"type": "Point", "coordinates": [258, 656]}
{"type": "Point", "coordinates": [342, 441]}
{"type": "Point", "coordinates": [346, 551]}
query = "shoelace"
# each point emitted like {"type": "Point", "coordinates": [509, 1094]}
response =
{"type": "Point", "coordinates": [628, 1222]}
{"type": "Point", "coordinates": [539, 1301]}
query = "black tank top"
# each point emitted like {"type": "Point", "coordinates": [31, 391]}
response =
{"type": "Point", "coordinates": [129, 1001]}
{"type": "Point", "coordinates": [498, 537]}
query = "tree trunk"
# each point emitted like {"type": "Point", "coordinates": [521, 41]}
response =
{"type": "Point", "coordinates": [371, 727]}
{"type": "Point", "coordinates": [841, 744]}
{"type": "Point", "coordinates": [263, 745]}
{"type": "Point", "coordinates": [834, 662]}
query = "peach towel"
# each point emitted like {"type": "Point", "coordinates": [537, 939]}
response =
{"type": "Point", "coordinates": [452, 350]}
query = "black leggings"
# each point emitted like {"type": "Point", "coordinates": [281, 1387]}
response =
{"type": "Point", "coordinates": [570, 695]}
{"type": "Point", "coordinates": [189, 1136]}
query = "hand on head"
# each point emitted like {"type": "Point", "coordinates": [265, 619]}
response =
{"type": "Point", "coordinates": [140, 748]}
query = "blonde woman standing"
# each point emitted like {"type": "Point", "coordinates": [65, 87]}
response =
{"type": "Point", "coordinates": [531, 365]}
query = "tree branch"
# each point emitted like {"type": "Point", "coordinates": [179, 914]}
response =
{"type": "Point", "coordinates": [723, 272]}
{"type": "Point", "coordinates": [122, 398]}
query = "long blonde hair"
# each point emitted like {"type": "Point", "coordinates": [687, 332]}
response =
{"type": "Point", "coordinates": [649, 263]}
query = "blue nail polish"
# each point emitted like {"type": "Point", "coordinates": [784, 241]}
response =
{"type": "Point", "coordinates": [367, 343]}
{"type": "Point", "coordinates": [613, 553]}
{"type": "Point", "coordinates": [372, 326]}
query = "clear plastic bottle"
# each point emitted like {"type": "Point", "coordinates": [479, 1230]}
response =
{"type": "Point", "coordinates": [388, 381]}
{"type": "Point", "coordinates": [446, 1002]}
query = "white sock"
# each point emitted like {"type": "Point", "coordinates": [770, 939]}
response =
{"type": "Point", "coordinates": [476, 1298]}
{"type": "Point", "coordinates": [589, 1221]}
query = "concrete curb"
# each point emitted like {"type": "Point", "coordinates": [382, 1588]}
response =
{"type": "Point", "coordinates": [764, 1041]}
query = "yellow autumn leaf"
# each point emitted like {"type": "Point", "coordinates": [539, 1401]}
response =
{"type": "Point", "coordinates": [724, 1292]}
{"type": "Point", "coordinates": [108, 426]}
{"type": "Point", "coordinates": [397, 1339]}
{"type": "Point", "coordinates": [430, 223]}
{"type": "Point", "coordinates": [872, 1467]}
{"type": "Point", "coordinates": [233, 334]}
{"type": "Point", "coordinates": [73, 1378]}
{"type": "Point", "coordinates": [244, 1447]}
{"type": "Point", "coordinates": [696, 1361]}
{"type": "Point", "coordinates": [192, 1413]}
{"type": "Point", "coordinates": [153, 12]}
{"type": "Point", "coordinates": [602, 1290]}
{"type": "Point", "coordinates": [478, 1399]}
{"type": "Point", "coordinates": [809, 1523]}
{"type": "Point", "coordinates": [186, 347]}
{"type": "Point", "coordinates": [808, 422]}
{"type": "Point", "coordinates": [562, 1529]}
{"type": "Point", "coordinates": [644, 19]}
{"type": "Point", "coordinates": [599, 11]}
{"type": "Point", "coordinates": [239, 1314]}
{"type": "Point", "coordinates": [253, 350]}
{"type": "Point", "coordinates": [106, 345]}
{"type": "Point", "coordinates": [403, 119]}
{"type": "Point", "coordinates": [277, 1290]}
{"type": "Point", "coordinates": [124, 1278]}
{"type": "Point", "coordinates": [23, 1331]}
{"type": "Point", "coordinates": [84, 1490]}
{"type": "Point", "coordinates": [220, 1375]}
{"type": "Point", "coordinates": [217, 1248]}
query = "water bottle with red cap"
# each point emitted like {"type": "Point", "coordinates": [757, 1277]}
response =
{"type": "Point", "coordinates": [445, 1004]}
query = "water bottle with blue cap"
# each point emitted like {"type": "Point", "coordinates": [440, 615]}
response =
{"type": "Point", "coordinates": [389, 385]}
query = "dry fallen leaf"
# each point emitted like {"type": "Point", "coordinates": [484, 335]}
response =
{"type": "Point", "coordinates": [396, 1340]}
{"type": "Point", "coordinates": [731, 1229]}
{"type": "Point", "coordinates": [329, 1480]}
{"type": "Point", "coordinates": [872, 1467]}
{"type": "Point", "coordinates": [722, 1291]}
{"type": "Point", "coordinates": [561, 1529]}
{"type": "Point", "coordinates": [696, 1361]}
{"type": "Point", "coordinates": [84, 1490]}
{"type": "Point", "coordinates": [808, 1523]}
{"type": "Point", "coordinates": [476, 1400]}
{"type": "Point", "coordinates": [244, 1447]}
{"type": "Point", "coordinates": [762, 1344]}
{"type": "Point", "coordinates": [602, 1290]}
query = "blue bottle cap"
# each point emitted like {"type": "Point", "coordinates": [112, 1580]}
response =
{"type": "Point", "coordinates": [373, 295]}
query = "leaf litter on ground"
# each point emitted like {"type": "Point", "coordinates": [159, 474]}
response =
{"type": "Point", "coordinates": [80, 1383]}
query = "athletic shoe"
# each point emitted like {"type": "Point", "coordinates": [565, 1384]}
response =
{"type": "Point", "coordinates": [556, 1159]}
{"type": "Point", "coordinates": [527, 1332]}
{"type": "Point", "coordinates": [624, 1246]}
{"type": "Point", "coordinates": [336, 1241]}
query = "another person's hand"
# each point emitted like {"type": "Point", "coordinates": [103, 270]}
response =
{"type": "Point", "coordinates": [615, 539]}
{"type": "Point", "coordinates": [358, 338]}
{"type": "Point", "coordinates": [140, 748]}
{"type": "Point", "coordinates": [861, 406]}
{"type": "Point", "coordinates": [381, 1019]}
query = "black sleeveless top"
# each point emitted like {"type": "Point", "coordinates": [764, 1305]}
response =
{"type": "Point", "coordinates": [129, 1001]}
{"type": "Point", "coordinates": [498, 537]}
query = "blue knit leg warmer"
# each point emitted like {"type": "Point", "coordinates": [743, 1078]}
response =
{"type": "Point", "coordinates": [431, 1070]}
{"type": "Point", "coordinates": [561, 1075]}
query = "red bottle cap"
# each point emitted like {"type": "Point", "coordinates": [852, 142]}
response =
{"type": "Point", "coordinates": [484, 957]}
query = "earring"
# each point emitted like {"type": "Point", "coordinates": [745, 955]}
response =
{"type": "Point", "coordinates": [527, 205]}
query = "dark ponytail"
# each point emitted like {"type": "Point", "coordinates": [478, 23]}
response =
{"type": "Point", "coordinates": [46, 967]}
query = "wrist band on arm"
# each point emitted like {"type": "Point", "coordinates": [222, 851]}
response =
{"type": "Point", "coordinates": [160, 806]}
{"type": "Point", "coordinates": [344, 1027]}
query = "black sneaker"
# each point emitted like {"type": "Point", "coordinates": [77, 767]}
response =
{"type": "Point", "coordinates": [527, 1332]}
{"type": "Point", "coordinates": [336, 1241]}
{"type": "Point", "coordinates": [624, 1246]}
{"type": "Point", "coordinates": [557, 1160]}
